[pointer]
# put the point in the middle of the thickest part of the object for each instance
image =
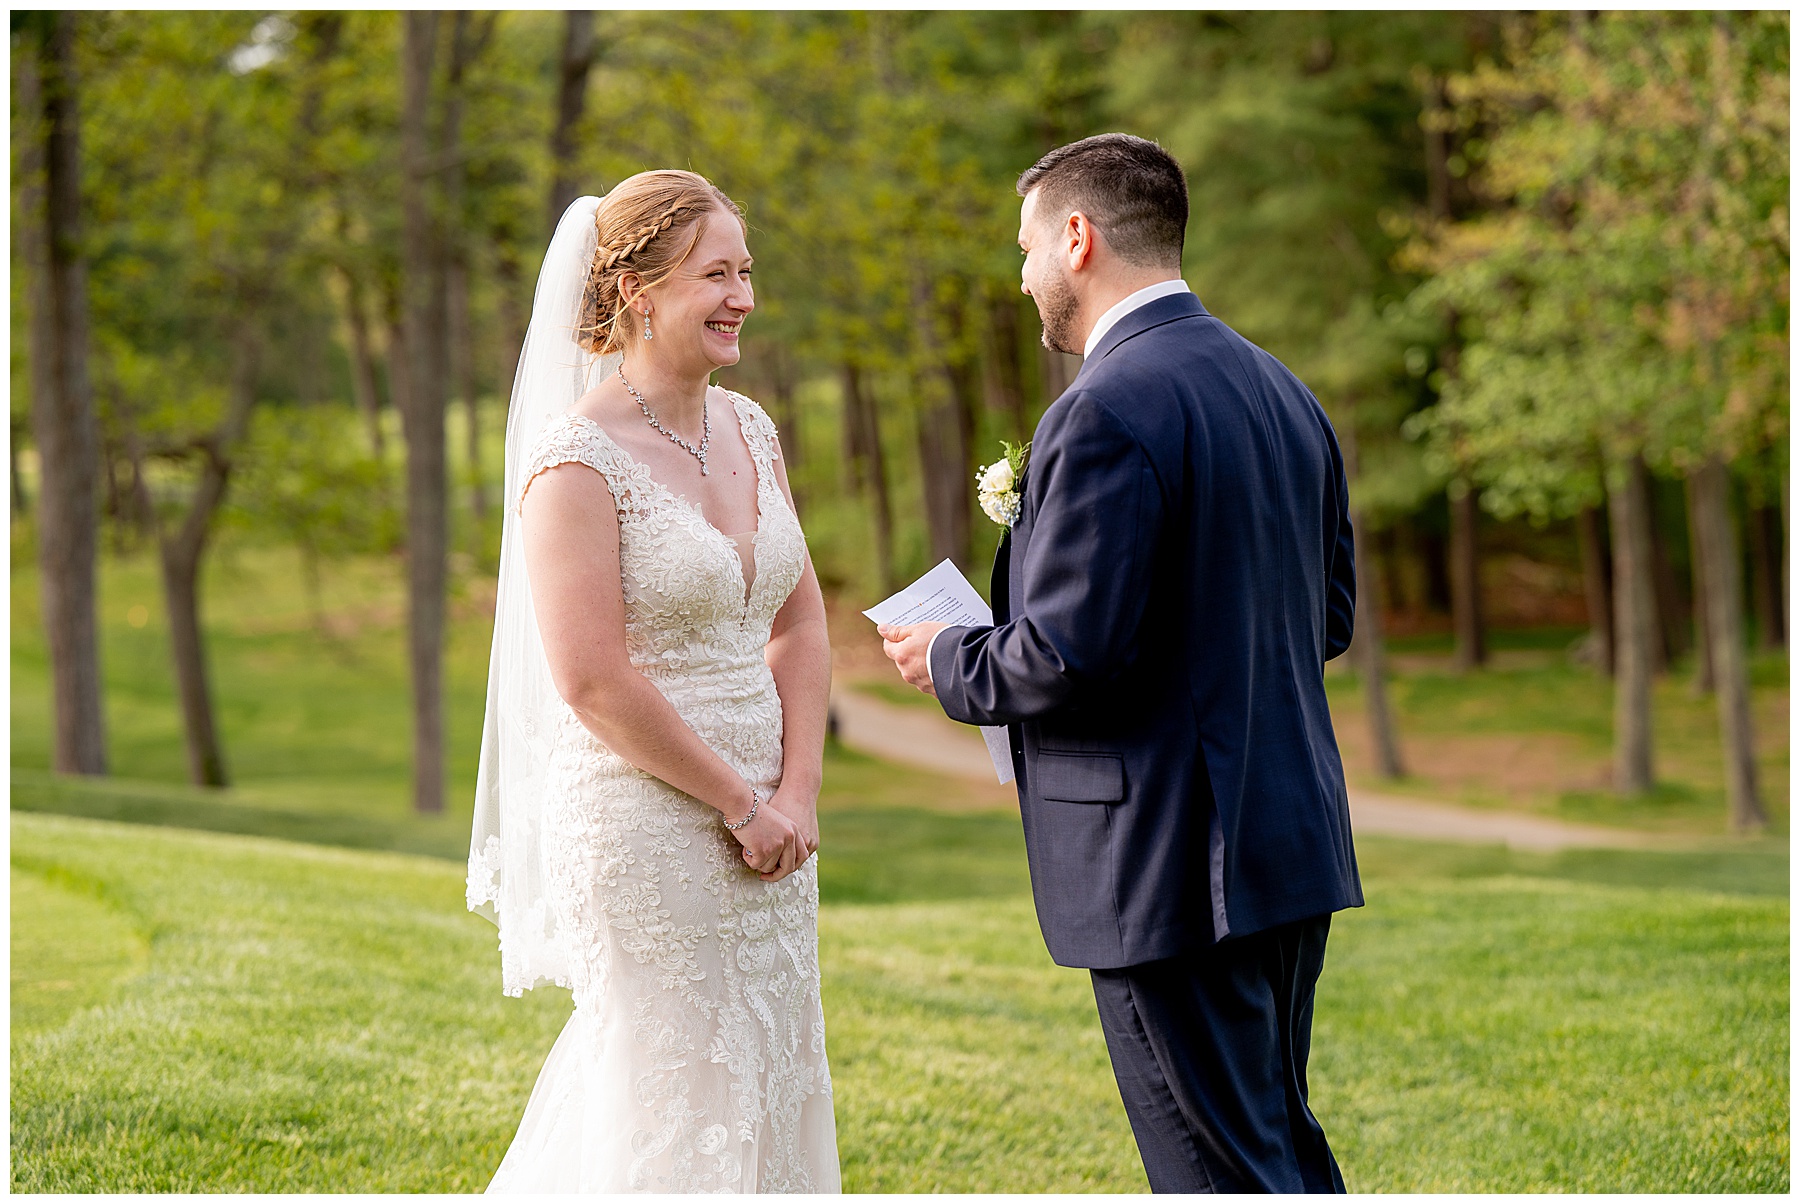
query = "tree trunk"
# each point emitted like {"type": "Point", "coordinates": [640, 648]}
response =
{"type": "Point", "coordinates": [1435, 557]}
{"type": "Point", "coordinates": [1370, 657]}
{"type": "Point", "coordinates": [21, 505]}
{"type": "Point", "coordinates": [947, 472]}
{"type": "Point", "coordinates": [787, 408]}
{"type": "Point", "coordinates": [1711, 494]}
{"type": "Point", "coordinates": [1786, 551]}
{"type": "Point", "coordinates": [62, 403]}
{"type": "Point", "coordinates": [462, 372]}
{"type": "Point", "coordinates": [1634, 629]}
{"type": "Point", "coordinates": [181, 593]}
{"type": "Point", "coordinates": [423, 318]}
{"type": "Point", "coordinates": [140, 513]}
{"type": "Point", "coordinates": [868, 468]}
{"type": "Point", "coordinates": [1006, 374]}
{"type": "Point", "coordinates": [1059, 369]}
{"type": "Point", "coordinates": [1465, 551]}
{"type": "Point", "coordinates": [571, 100]}
{"type": "Point", "coordinates": [1386, 554]}
{"type": "Point", "coordinates": [1596, 580]}
{"type": "Point", "coordinates": [399, 365]}
{"type": "Point", "coordinates": [1765, 557]}
{"type": "Point", "coordinates": [1704, 677]}
{"type": "Point", "coordinates": [362, 365]}
{"type": "Point", "coordinates": [180, 559]}
{"type": "Point", "coordinates": [182, 554]}
{"type": "Point", "coordinates": [466, 43]}
{"type": "Point", "coordinates": [787, 420]}
{"type": "Point", "coordinates": [514, 320]}
{"type": "Point", "coordinates": [1671, 633]}
{"type": "Point", "coordinates": [1784, 558]}
{"type": "Point", "coordinates": [1436, 124]}
{"type": "Point", "coordinates": [1465, 579]}
{"type": "Point", "coordinates": [946, 423]}
{"type": "Point", "coordinates": [1368, 649]}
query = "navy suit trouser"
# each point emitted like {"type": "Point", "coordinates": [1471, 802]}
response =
{"type": "Point", "coordinates": [1210, 1052]}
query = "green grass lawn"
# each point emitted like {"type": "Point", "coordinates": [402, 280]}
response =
{"type": "Point", "coordinates": [279, 1016]}
{"type": "Point", "coordinates": [276, 987]}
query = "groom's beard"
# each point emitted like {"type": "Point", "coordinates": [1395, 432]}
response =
{"type": "Point", "coordinates": [1058, 307]}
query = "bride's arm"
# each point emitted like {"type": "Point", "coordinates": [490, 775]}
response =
{"type": "Point", "coordinates": [571, 539]}
{"type": "Point", "coordinates": [799, 656]}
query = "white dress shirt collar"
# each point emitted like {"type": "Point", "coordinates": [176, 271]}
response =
{"type": "Point", "coordinates": [1144, 296]}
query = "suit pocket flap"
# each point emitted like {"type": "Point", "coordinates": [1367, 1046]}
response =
{"type": "Point", "coordinates": [1080, 777]}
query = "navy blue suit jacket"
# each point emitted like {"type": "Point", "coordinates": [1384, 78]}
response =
{"type": "Point", "coordinates": [1179, 574]}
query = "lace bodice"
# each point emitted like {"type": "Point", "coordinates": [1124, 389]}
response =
{"type": "Point", "coordinates": [685, 597]}
{"type": "Point", "coordinates": [696, 1057]}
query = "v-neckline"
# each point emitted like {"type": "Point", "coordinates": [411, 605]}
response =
{"type": "Point", "coordinates": [745, 581]}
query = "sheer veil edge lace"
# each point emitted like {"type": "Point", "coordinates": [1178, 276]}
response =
{"type": "Point", "coordinates": [506, 881]}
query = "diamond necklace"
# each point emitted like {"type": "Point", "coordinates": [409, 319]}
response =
{"type": "Point", "coordinates": [699, 453]}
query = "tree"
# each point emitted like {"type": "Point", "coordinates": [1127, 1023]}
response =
{"type": "Point", "coordinates": [48, 98]}
{"type": "Point", "coordinates": [422, 406]}
{"type": "Point", "coordinates": [1624, 305]}
{"type": "Point", "coordinates": [1716, 548]}
{"type": "Point", "coordinates": [1367, 650]}
{"type": "Point", "coordinates": [203, 212]}
{"type": "Point", "coordinates": [1465, 509]}
{"type": "Point", "coordinates": [577, 60]}
{"type": "Point", "coordinates": [1634, 622]}
{"type": "Point", "coordinates": [1728, 267]}
{"type": "Point", "coordinates": [1596, 581]}
{"type": "Point", "coordinates": [867, 464]}
{"type": "Point", "coordinates": [308, 486]}
{"type": "Point", "coordinates": [467, 41]}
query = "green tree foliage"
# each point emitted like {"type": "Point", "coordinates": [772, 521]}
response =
{"type": "Point", "coordinates": [1526, 253]}
{"type": "Point", "coordinates": [1624, 305]}
{"type": "Point", "coordinates": [201, 222]}
{"type": "Point", "coordinates": [1627, 293]}
{"type": "Point", "coordinates": [306, 484]}
{"type": "Point", "coordinates": [1301, 135]}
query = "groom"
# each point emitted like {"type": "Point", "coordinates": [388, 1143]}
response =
{"type": "Point", "coordinates": [1164, 605]}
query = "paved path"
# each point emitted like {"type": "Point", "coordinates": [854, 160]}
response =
{"type": "Point", "coordinates": [922, 736]}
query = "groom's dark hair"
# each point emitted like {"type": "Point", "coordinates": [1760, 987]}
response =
{"type": "Point", "coordinates": [1129, 187]}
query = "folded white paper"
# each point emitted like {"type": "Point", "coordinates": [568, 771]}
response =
{"type": "Point", "coordinates": [944, 595]}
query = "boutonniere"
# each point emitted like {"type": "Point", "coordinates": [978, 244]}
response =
{"type": "Point", "coordinates": [997, 485]}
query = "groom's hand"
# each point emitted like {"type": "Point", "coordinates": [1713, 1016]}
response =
{"type": "Point", "coordinates": [906, 646]}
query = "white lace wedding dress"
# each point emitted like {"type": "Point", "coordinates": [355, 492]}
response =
{"type": "Point", "coordinates": [695, 1060]}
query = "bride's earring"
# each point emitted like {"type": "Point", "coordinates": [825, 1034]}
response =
{"type": "Point", "coordinates": [647, 335]}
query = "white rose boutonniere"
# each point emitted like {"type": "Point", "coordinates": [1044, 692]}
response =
{"type": "Point", "coordinates": [997, 485]}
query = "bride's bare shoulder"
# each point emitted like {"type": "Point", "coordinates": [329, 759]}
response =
{"type": "Point", "coordinates": [603, 405]}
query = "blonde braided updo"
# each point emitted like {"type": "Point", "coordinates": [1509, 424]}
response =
{"type": "Point", "coordinates": [649, 225]}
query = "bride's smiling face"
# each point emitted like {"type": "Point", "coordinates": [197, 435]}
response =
{"type": "Point", "coordinates": [697, 314]}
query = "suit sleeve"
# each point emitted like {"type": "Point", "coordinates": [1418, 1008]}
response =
{"type": "Point", "coordinates": [1340, 555]}
{"type": "Point", "coordinates": [1085, 578]}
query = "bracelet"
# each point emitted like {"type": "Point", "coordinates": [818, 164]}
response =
{"type": "Point", "coordinates": [755, 802]}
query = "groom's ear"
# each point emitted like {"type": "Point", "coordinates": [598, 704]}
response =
{"type": "Point", "coordinates": [1078, 239]}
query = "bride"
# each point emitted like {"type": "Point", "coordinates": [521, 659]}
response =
{"type": "Point", "coordinates": [644, 817]}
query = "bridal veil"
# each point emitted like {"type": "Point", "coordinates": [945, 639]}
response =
{"type": "Point", "coordinates": [506, 881]}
